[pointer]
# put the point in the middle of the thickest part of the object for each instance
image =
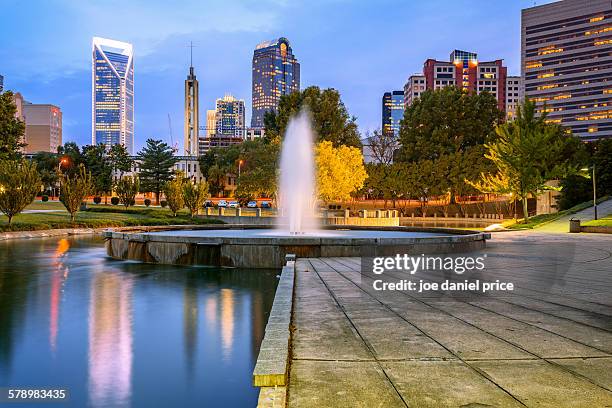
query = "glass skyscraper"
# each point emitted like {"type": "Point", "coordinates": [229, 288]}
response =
{"type": "Point", "coordinates": [112, 93]}
{"type": "Point", "coordinates": [276, 72]}
{"type": "Point", "coordinates": [392, 111]}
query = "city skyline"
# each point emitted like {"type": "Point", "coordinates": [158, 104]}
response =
{"type": "Point", "coordinates": [223, 55]}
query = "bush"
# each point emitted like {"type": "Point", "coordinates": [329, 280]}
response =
{"type": "Point", "coordinates": [114, 200]}
{"type": "Point", "coordinates": [147, 202]}
{"type": "Point", "coordinates": [97, 199]}
{"type": "Point", "coordinates": [163, 203]}
{"type": "Point", "coordinates": [44, 198]}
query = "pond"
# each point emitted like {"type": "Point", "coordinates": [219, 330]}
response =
{"type": "Point", "coordinates": [122, 334]}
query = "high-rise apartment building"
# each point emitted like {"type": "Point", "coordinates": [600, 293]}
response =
{"type": "Point", "coordinates": [276, 72]}
{"type": "Point", "coordinates": [413, 88]}
{"type": "Point", "coordinates": [392, 112]}
{"type": "Point", "coordinates": [192, 113]}
{"type": "Point", "coordinates": [513, 95]}
{"type": "Point", "coordinates": [566, 64]}
{"type": "Point", "coordinates": [112, 93]}
{"type": "Point", "coordinates": [43, 127]}
{"type": "Point", "coordinates": [466, 72]}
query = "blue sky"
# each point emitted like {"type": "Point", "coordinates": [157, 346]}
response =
{"type": "Point", "coordinates": [362, 48]}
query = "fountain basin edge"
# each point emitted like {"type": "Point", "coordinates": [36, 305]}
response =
{"type": "Point", "coordinates": [199, 245]}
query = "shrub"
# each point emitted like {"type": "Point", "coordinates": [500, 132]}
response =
{"type": "Point", "coordinates": [114, 200]}
{"type": "Point", "coordinates": [97, 199]}
{"type": "Point", "coordinates": [163, 203]}
{"type": "Point", "coordinates": [147, 202]}
{"type": "Point", "coordinates": [44, 198]}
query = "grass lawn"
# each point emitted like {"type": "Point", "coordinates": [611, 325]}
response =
{"type": "Point", "coordinates": [97, 216]}
{"type": "Point", "coordinates": [602, 222]}
{"type": "Point", "coordinates": [539, 220]}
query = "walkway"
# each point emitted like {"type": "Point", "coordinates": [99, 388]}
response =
{"type": "Point", "coordinates": [547, 344]}
{"type": "Point", "coordinates": [562, 224]}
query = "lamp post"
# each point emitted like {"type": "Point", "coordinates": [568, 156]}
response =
{"type": "Point", "coordinates": [239, 166]}
{"type": "Point", "coordinates": [594, 190]}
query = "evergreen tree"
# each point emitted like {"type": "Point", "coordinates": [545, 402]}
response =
{"type": "Point", "coordinates": [156, 163]}
{"type": "Point", "coordinates": [12, 129]}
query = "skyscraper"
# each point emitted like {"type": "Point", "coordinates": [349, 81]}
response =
{"type": "Point", "coordinates": [276, 72]}
{"type": "Point", "coordinates": [392, 112]}
{"type": "Point", "coordinates": [1, 84]}
{"type": "Point", "coordinates": [192, 112]}
{"type": "Point", "coordinates": [230, 118]}
{"type": "Point", "coordinates": [565, 60]}
{"type": "Point", "coordinates": [112, 93]}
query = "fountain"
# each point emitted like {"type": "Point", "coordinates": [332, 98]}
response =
{"type": "Point", "coordinates": [298, 231]}
{"type": "Point", "coordinates": [297, 178]}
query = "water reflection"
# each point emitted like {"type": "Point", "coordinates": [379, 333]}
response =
{"type": "Point", "coordinates": [126, 334]}
{"type": "Point", "coordinates": [110, 340]}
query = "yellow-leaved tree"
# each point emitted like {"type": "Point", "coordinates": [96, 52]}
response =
{"type": "Point", "coordinates": [340, 171]}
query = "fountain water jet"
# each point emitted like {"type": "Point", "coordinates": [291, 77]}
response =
{"type": "Point", "coordinates": [297, 194]}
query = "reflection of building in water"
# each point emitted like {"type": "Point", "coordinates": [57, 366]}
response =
{"type": "Point", "coordinates": [190, 321]}
{"type": "Point", "coordinates": [110, 340]}
{"type": "Point", "coordinates": [58, 276]}
{"type": "Point", "coordinates": [227, 321]}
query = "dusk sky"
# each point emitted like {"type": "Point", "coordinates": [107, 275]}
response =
{"type": "Point", "coordinates": [362, 48]}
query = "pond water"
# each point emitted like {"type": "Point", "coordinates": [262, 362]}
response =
{"type": "Point", "coordinates": [121, 334]}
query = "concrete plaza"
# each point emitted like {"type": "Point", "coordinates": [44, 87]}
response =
{"type": "Point", "coordinates": [548, 343]}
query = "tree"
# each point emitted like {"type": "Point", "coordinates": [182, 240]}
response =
{"type": "Point", "coordinates": [194, 195]}
{"type": "Point", "coordinates": [126, 189]}
{"type": "Point", "coordinates": [259, 175]}
{"type": "Point", "coordinates": [19, 183]}
{"type": "Point", "coordinates": [72, 157]}
{"type": "Point", "coordinates": [340, 171]}
{"type": "Point", "coordinates": [12, 129]}
{"type": "Point", "coordinates": [382, 146]}
{"type": "Point", "coordinates": [446, 121]}
{"type": "Point", "coordinates": [97, 161]}
{"type": "Point", "coordinates": [527, 153]}
{"type": "Point", "coordinates": [74, 189]}
{"type": "Point", "coordinates": [120, 160]}
{"type": "Point", "coordinates": [331, 120]}
{"type": "Point", "coordinates": [173, 190]}
{"type": "Point", "coordinates": [156, 162]}
{"type": "Point", "coordinates": [47, 165]}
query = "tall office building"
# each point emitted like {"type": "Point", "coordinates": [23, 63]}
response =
{"type": "Point", "coordinates": [211, 122]}
{"type": "Point", "coordinates": [43, 131]}
{"type": "Point", "coordinates": [230, 118]}
{"type": "Point", "coordinates": [566, 61]}
{"type": "Point", "coordinates": [392, 112]}
{"type": "Point", "coordinates": [1, 84]}
{"type": "Point", "coordinates": [192, 113]}
{"type": "Point", "coordinates": [276, 72]}
{"type": "Point", "coordinates": [513, 95]}
{"type": "Point", "coordinates": [112, 93]}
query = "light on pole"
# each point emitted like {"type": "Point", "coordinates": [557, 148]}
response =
{"type": "Point", "coordinates": [239, 166]}
{"type": "Point", "coordinates": [594, 191]}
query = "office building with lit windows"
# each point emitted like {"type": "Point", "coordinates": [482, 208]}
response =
{"type": "Point", "coordinates": [1, 84]}
{"type": "Point", "coordinates": [112, 93]}
{"type": "Point", "coordinates": [229, 124]}
{"type": "Point", "coordinates": [392, 112]}
{"type": "Point", "coordinates": [43, 132]}
{"type": "Point", "coordinates": [566, 63]}
{"type": "Point", "coordinates": [276, 72]}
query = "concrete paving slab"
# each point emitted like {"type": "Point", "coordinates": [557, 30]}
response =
{"type": "Point", "coordinates": [596, 369]}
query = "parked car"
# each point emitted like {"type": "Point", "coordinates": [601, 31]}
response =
{"type": "Point", "coordinates": [266, 204]}
{"type": "Point", "coordinates": [208, 203]}
{"type": "Point", "coordinates": [233, 204]}
{"type": "Point", "coordinates": [222, 203]}
{"type": "Point", "coordinates": [252, 204]}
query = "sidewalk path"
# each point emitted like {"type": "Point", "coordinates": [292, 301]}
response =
{"type": "Point", "coordinates": [562, 224]}
{"type": "Point", "coordinates": [547, 344]}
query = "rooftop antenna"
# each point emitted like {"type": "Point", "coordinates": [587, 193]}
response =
{"type": "Point", "coordinates": [191, 53]}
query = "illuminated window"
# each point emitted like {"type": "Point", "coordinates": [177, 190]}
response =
{"type": "Point", "coordinates": [595, 19]}
{"type": "Point", "coordinates": [603, 42]}
{"type": "Point", "coordinates": [534, 64]}
{"type": "Point", "coordinates": [546, 75]}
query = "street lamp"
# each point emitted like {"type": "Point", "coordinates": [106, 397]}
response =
{"type": "Point", "coordinates": [239, 166]}
{"type": "Point", "coordinates": [594, 191]}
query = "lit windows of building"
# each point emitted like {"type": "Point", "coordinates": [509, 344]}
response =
{"type": "Point", "coordinates": [392, 112]}
{"type": "Point", "coordinates": [565, 58]}
{"type": "Point", "coordinates": [112, 93]}
{"type": "Point", "coordinates": [275, 72]}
